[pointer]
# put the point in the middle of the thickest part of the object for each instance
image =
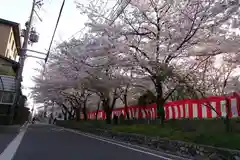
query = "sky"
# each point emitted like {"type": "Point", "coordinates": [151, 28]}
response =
{"type": "Point", "coordinates": [19, 11]}
{"type": "Point", "coordinates": [70, 23]}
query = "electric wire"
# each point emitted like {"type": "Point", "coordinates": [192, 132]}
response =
{"type": "Point", "coordinates": [54, 32]}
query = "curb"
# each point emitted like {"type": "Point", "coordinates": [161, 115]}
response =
{"type": "Point", "coordinates": [160, 154]}
{"type": "Point", "coordinates": [24, 126]}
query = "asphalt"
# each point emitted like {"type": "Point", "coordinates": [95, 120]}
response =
{"type": "Point", "coordinates": [7, 134]}
{"type": "Point", "coordinates": [46, 142]}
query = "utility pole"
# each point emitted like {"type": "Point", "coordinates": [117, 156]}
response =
{"type": "Point", "coordinates": [22, 58]}
{"type": "Point", "coordinates": [24, 46]}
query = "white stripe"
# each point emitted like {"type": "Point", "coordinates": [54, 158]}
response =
{"type": "Point", "coordinates": [11, 149]}
{"type": "Point", "coordinates": [136, 113]}
{"type": "Point", "coordinates": [204, 110]}
{"type": "Point", "coordinates": [127, 146]}
{"type": "Point", "coordinates": [153, 113]}
{"type": "Point", "coordinates": [181, 111]}
{"type": "Point", "coordinates": [170, 112]}
{"type": "Point", "coordinates": [214, 114]}
{"type": "Point", "coordinates": [129, 113]}
{"type": "Point", "coordinates": [175, 111]}
{"type": "Point", "coordinates": [186, 111]}
{"type": "Point", "coordinates": [234, 107]}
{"type": "Point", "coordinates": [223, 108]}
{"type": "Point", "coordinates": [143, 114]}
{"type": "Point", "coordinates": [195, 110]}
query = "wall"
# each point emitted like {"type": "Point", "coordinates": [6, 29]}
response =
{"type": "Point", "coordinates": [7, 42]}
{"type": "Point", "coordinates": [11, 51]}
{"type": "Point", "coordinates": [4, 38]}
{"type": "Point", "coordinates": [6, 68]}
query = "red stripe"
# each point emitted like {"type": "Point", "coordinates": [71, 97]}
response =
{"type": "Point", "coordinates": [218, 108]}
{"type": "Point", "coordinates": [209, 111]}
{"type": "Point", "coordinates": [190, 110]}
{"type": "Point", "coordinates": [169, 105]}
{"type": "Point", "coordinates": [199, 110]}
{"type": "Point", "coordinates": [173, 112]}
{"type": "Point", "coordinates": [167, 113]}
{"type": "Point", "coordinates": [184, 110]}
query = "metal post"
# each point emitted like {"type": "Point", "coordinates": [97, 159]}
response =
{"type": "Point", "coordinates": [21, 61]}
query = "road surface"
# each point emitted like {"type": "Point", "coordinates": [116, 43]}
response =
{"type": "Point", "coordinates": [48, 142]}
{"type": "Point", "coordinates": [6, 136]}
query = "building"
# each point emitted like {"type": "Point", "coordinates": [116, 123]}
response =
{"type": "Point", "coordinates": [8, 66]}
{"type": "Point", "coordinates": [10, 41]}
{"type": "Point", "coordinates": [10, 44]}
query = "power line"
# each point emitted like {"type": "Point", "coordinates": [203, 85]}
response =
{"type": "Point", "coordinates": [120, 7]}
{"type": "Point", "coordinates": [114, 10]}
{"type": "Point", "coordinates": [59, 15]}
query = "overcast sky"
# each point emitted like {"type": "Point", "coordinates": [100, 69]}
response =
{"type": "Point", "coordinates": [70, 22]}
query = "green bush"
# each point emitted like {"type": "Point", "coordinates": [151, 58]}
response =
{"type": "Point", "coordinates": [207, 132]}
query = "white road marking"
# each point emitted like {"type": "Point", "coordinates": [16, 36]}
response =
{"type": "Point", "coordinates": [12, 147]}
{"type": "Point", "coordinates": [126, 145]}
{"type": "Point", "coordinates": [57, 129]}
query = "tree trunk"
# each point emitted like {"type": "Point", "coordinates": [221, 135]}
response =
{"type": "Point", "coordinates": [107, 108]}
{"type": "Point", "coordinates": [99, 103]}
{"type": "Point", "coordinates": [85, 110]}
{"type": "Point", "coordinates": [126, 106]}
{"type": "Point", "coordinates": [67, 112]}
{"type": "Point", "coordinates": [161, 112]}
{"type": "Point", "coordinates": [64, 114]}
{"type": "Point", "coordinates": [77, 111]}
{"type": "Point", "coordinates": [227, 119]}
{"type": "Point", "coordinates": [160, 102]}
{"type": "Point", "coordinates": [108, 118]}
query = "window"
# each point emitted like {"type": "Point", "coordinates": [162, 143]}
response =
{"type": "Point", "coordinates": [14, 56]}
{"type": "Point", "coordinates": [7, 52]}
{"type": "Point", "coordinates": [13, 45]}
{"type": "Point", "coordinates": [10, 38]}
{"type": "Point", "coordinates": [8, 97]}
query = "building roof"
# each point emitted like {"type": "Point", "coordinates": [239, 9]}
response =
{"type": "Point", "coordinates": [16, 31]}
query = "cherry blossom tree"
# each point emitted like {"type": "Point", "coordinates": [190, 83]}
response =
{"type": "Point", "coordinates": [166, 44]}
{"type": "Point", "coordinates": [160, 33]}
{"type": "Point", "coordinates": [90, 65]}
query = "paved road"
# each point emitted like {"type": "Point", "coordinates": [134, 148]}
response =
{"type": "Point", "coordinates": [7, 134]}
{"type": "Point", "coordinates": [46, 142]}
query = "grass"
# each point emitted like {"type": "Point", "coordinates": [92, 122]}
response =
{"type": "Point", "coordinates": [207, 132]}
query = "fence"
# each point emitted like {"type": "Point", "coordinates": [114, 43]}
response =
{"type": "Point", "coordinates": [210, 107]}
